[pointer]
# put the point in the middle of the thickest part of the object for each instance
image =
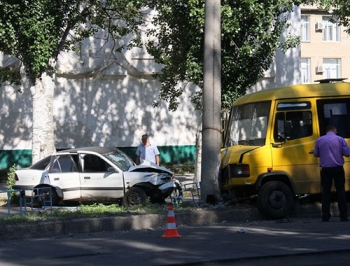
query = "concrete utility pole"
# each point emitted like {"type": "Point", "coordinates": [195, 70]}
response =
{"type": "Point", "coordinates": [211, 131]}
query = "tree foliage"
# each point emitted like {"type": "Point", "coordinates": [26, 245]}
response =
{"type": "Point", "coordinates": [251, 31]}
{"type": "Point", "coordinates": [36, 31]}
{"type": "Point", "coordinates": [340, 9]}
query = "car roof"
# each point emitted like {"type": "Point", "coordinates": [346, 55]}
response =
{"type": "Point", "coordinates": [100, 150]}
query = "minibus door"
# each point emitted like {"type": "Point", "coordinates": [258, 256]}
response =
{"type": "Point", "coordinates": [292, 149]}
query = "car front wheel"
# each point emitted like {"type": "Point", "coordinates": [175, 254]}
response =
{"type": "Point", "coordinates": [134, 196]}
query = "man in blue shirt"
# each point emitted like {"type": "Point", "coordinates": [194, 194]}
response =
{"type": "Point", "coordinates": [147, 151]}
{"type": "Point", "coordinates": [331, 149]}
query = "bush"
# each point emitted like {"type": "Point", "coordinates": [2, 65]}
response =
{"type": "Point", "coordinates": [186, 168]}
{"type": "Point", "coordinates": [11, 181]}
{"type": "Point", "coordinates": [11, 176]}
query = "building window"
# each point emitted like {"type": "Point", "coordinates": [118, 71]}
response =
{"type": "Point", "coordinates": [331, 68]}
{"type": "Point", "coordinates": [305, 70]}
{"type": "Point", "coordinates": [305, 29]}
{"type": "Point", "coordinates": [331, 30]}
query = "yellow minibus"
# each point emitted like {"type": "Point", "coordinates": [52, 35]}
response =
{"type": "Point", "coordinates": [269, 142]}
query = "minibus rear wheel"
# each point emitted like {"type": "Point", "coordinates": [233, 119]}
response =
{"type": "Point", "coordinates": [275, 200]}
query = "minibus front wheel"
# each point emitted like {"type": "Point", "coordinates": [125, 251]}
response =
{"type": "Point", "coordinates": [275, 200]}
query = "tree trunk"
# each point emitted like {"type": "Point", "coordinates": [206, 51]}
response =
{"type": "Point", "coordinates": [198, 163]}
{"type": "Point", "coordinates": [211, 132]}
{"type": "Point", "coordinates": [43, 139]}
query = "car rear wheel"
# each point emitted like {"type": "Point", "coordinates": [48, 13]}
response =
{"type": "Point", "coordinates": [42, 197]}
{"type": "Point", "coordinates": [134, 196]}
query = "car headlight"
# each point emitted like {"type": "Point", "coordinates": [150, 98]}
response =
{"type": "Point", "coordinates": [236, 170]}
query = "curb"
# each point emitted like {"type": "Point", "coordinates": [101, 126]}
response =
{"type": "Point", "coordinates": [199, 217]}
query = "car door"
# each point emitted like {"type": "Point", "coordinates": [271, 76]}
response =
{"type": "Point", "coordinates": [100, 179]}
{"type": "Point", "coordinates": [64, 173]}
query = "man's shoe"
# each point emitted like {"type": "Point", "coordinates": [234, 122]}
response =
{"type": "Point", "coordinates": [344, 219]}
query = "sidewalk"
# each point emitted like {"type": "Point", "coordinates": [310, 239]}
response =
{"type": "Point", "coordinates": [4, 204]}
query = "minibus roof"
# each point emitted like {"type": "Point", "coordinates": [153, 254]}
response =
{"type": "Point", "coordinates": [297, 91]}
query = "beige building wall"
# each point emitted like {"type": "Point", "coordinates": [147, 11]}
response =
{"type": "Point", "coordinates": [317, 50]}
{"type": "Point", "coordinates": [285, 69]}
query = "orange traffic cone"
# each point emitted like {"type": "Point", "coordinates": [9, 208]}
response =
{"type": "Point", "coordinates": [171, 229]}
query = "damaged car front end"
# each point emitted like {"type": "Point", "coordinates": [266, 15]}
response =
{"type": "Point", "coordinates": [157, 182]}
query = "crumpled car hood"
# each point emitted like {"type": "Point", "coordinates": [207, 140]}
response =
{"type": "Point", "coordinates": [148, 172]}
{"type": "Point", "coordinates": [147, 166]}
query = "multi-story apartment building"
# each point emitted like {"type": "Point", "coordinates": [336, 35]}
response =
{"type": "Point", "coordinates": [325, 46]}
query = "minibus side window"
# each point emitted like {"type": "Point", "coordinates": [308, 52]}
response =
{"type": "Point", "coordinates": [334, 112]}
{"type": "Point", "coordinates": [279, 131]}
{"type": "Point", "coordinates": [300, 123]}
{"type": "Point", "coordinates": [292, 125]}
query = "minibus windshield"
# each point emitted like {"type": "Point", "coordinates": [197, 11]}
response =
{"type": "Point", "coordinates": [248, 124]}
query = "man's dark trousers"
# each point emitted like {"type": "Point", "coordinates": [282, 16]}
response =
{"type": "Point", "coordinates": [327, 176]}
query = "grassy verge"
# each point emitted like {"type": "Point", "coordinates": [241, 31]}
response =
{"type": "Point", "coordinates": [89, 211]}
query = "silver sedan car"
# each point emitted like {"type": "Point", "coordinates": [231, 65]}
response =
{"type": "Point", "coordinates": [97, 174]}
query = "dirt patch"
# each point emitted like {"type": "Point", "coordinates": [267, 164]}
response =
{"type": "Point", "coordinates": [3, 195]}
{"type": "Point", "coordinates": [3, 201]}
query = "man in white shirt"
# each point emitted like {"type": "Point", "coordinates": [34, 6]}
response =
{"type": "Point", "coordinates": [147, 151]}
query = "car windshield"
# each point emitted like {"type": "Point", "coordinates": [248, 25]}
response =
{"type": "Point", "coordinates": [120, 159]}
{"type": "Point", "coordinates": [248, 124]}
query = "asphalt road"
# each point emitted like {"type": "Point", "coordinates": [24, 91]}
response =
{"type": "Point", "coordinates": [238, 237]}
{"type": "Point", "coordinates": [297, 242]}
